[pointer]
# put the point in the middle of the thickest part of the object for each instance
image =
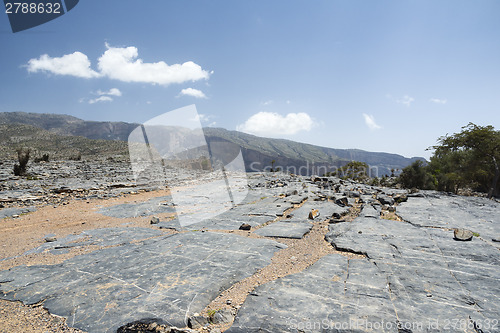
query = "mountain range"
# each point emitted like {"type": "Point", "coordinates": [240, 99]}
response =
{"type": "Point", "coordinates": [60, 135]}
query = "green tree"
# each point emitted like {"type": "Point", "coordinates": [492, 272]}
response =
{"type": "Point", "coordinates": [471, 158]}
{"type": "Point", "coordinates": [353, 170]}
{"type": "Point", "coordinates": [417, 175]}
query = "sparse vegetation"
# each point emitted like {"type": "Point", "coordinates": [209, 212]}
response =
{"type": "Point", "coordinates": [23, 156]}
{"type": "Point", "coordinates": [353, 170]}
{"type": "Point", "coordinates": [465, 160]}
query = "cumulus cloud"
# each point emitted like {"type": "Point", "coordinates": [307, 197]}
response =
{"type": "Point", "coordinates": [75, 64]}
{"type": "Point", "coordinates": [439, 101]}
{"type": "Point", "coordinates": [370, 122]}
{"type": "Point", "coordinates": [193, 93]}
{"type": "Point", "coordinates": [101, 99]}
{"type": "Point", "coordinates": [406, 100]}
{"type": "Point", "coordinates": [119, 63]}
{"type": "Point", "coordinates": [122, 63]}
{"type": "Point", "coordinates": [110, 92]}
{"type": "Point", "coordinates": [273, 124]}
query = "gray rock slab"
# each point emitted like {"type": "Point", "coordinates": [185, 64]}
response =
{"type": "Point", "coordinates": [100, 237]}
{"type": "Point", "coordinates": [326, 210]}
{"type": "Point", "coordinates": [479, 215]}
{"type": "Point", "coordinates": [150, 207]}
{"type": "Point", "coordinates": [9, 212]}
{"type": "Point", "coordinates": [285, 229]}
{"type": "Point", "coordinates": [432, 277]}
{"type": "Point", "coordinates": [168, 277]}
{"type": "Point", "coordinates": [413, 273]}
{"type": "Point", "coordinates": [328, 295]}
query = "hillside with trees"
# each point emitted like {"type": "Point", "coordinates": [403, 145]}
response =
{"type": "Point", "coordinates": [466, 160]}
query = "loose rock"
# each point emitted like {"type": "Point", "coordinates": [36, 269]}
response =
{"type": "Point", "coordinates": [463, 235]}
{"type": "Point", "coordinates": [245, 226]}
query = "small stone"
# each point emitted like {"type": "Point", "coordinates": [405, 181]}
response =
{"type": "Point", "coordinates": [314, 213]}
{"type": "Point", "coordinates": [50, 239]}
{"type": "Point", "coordinates": [228, 302]}
{"type": "Point", "coordinates": [155, 220]}
{"type": "Point", "coordinates": [342, 202]}
{"type": "Point", "coordinates": [245, 226]}
{"type": "Point", "coordinates": [152, 326]}
{"type": "Point", "coordinates": [463, 235]}
{"type": "Point", "coordinates": [15, 216]}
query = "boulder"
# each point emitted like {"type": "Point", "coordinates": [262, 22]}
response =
{"type": "Point", "coordinates": [245, 226]}
{"type": "Point", "coordinates": [462, 234]}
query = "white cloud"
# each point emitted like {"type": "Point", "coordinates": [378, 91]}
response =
{"type": "Point", "coordinates": [202, 117]}
{"type": "Point", "coordinates": [101, 99]}
{"type": "Point", "coordinates": [111, 92]}
{"type": "Point", "coordinates": [193, 92]}
{"type": "Point", "coordinates": [121, 63]}
{"type": "Point", "coordinates": [75, 64]}
{"type": "Point", "coordinates": [438, 101]}
{"type": "Point", "coordinates": [406, 100]}
{"type": "Point", "coordinates": [370, 122]}
{"type": "Point", "coordinates": [269, 102]}
{"type": "Point", "coordinates": [273, 124]}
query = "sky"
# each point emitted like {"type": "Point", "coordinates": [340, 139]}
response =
{"type": "Point", "coordinates": [386, 76]}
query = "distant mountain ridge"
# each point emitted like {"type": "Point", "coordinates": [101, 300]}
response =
{"type": "Point", "coordinates": [258, 152]}
{"type": "Point", "coordinates": [68, 125]}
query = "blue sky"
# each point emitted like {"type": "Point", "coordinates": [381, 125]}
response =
{"type": "Point", "coordinates": [387, 76]}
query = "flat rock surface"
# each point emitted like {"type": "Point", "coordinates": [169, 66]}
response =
{"type": "Point", "coordinates": [479, 215]}
{"type": "Point", "coordinates": [414, 276]}
{"type": "Point", "coordinates": [107, 266]}
{"type": "Point", "coordinates": [150, 207]}
{"type": "Point", "coordinates": [167, 277]}
{"type": "Point", "coordinates": [10, 212]}
{"type": "Point", "coordinates": [285, 230]}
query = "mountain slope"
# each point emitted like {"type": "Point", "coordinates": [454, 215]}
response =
{"type": "Point", "coordinates": [40, 141]}
{"type": "Point", "coordinates": [258, 152]}
{"type": "Point", "coordinates": [69, 125]}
